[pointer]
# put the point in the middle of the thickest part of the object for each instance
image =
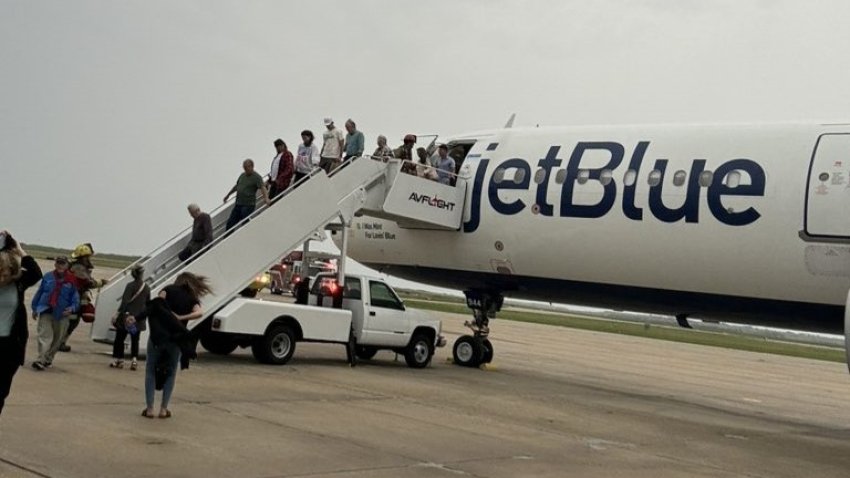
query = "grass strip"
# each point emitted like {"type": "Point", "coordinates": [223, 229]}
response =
{"type": "Point", "coordinates": [115, 261]}
{"type": "Point", "coordinates": [712, 339]}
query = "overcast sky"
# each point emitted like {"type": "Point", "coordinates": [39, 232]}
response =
{"type": "Point", "coordinates": [115, 115]}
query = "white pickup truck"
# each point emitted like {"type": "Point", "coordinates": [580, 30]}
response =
{"type": "Point", "coordinates": [372, 318]}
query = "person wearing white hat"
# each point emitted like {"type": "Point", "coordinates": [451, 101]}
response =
{"type": "Point", "coordinates": [331, 155]}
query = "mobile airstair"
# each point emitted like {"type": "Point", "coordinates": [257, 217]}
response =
{"type": "Point", "coordinates": [235, 257]}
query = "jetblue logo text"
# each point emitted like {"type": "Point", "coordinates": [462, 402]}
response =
{"type": "Point", "coordinates": [433, 202]}
{"type": "Point", "coordinates": [689, 210]}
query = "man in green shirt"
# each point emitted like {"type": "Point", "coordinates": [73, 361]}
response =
{"type": "Point", "coordinates": [246, 194]}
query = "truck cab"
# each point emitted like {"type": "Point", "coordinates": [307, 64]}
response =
{"type": "Point", "coordinates": [379, 317]}
{"type": "Point", "coordinates": [371, 318]}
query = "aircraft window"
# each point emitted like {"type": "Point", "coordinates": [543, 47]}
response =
{"type": "Point", "coordinates": [539, 176]}
{"type": "Point", "coordinates": [382, 296]}
{"type": "Point", "coordinates": [654, 178]}
{"type": "Point", "coordinates": [606, 176]}
{"type": "Point", "coordinates": [630, 177]}
{"type": "Point", "coordinates": [733, 179]}
{"type": "Point", "coordinates": [561, 176]}
{"type": "Point", "coordinates": [679, 178]}
{"type": "Point", "coordinates": [519, 176]}
{"type": "Point", "coordinates": [823, 177]}
{"type": "Point", "coordinates": [705, 178]}
{"type": "Point", "coordinates": [499, 176]}
{"type": "Point", "coordinates": [583, 176]}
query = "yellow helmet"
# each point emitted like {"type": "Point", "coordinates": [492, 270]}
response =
{"type": "Point", "coordinates": [83, 250]}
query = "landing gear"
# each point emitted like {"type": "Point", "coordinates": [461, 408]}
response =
{"type": "Point", "coordinates": [474, 350]}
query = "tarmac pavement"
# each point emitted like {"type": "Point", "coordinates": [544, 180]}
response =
{"type": "Point", "coordinates": [555, 402]}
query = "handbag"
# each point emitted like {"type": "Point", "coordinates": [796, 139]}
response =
{"type": "Point", "coordinates": [87, 313]}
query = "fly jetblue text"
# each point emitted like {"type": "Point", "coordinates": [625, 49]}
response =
{"type": "Point", "coordinates": [689, 210]}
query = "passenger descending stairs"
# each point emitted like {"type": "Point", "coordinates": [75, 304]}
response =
{"type": "Point", "coordinates": [234, 258]}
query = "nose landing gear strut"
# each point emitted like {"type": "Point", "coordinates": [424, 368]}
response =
{"type": "Point", "coordinates": [476, 349]}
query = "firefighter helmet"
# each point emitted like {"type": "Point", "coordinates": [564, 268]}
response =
{"type": "Point", "coordinates": [83, 250]}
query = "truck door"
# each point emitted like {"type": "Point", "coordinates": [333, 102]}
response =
{"type": "Point", "coordinates": [352, 299]}
{"type": "Point", "coordinates": [385, 322]}
{"type": "Point", "coordinates": [828, 192]}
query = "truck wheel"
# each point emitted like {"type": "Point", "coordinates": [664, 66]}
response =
{"type": "Point", "coordinates": [467, 351]}
{"type": "Point", "coordinates": [418, 354]}
{"type": "Point", "coordinates": [366, 353]}
{"type": "Point", "coordinates": [487, 352]}
{"type": "Point", "coordinates": [248, 292]}
{"type": "Point", "coordinates": [216, 343]}
{"type": "Point", "coordinates": [276, 346]}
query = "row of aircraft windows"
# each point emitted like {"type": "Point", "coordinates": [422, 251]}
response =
{"type": "Point", "coordinates": [732, 179]}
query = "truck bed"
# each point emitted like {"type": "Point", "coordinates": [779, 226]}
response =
{"type": "Point", "coordinates": [253, 316]}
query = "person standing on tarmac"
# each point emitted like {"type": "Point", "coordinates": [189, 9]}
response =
{"type": "Point", "coordinates": [175, 304]}
{"type": "Point", "coordinates": [81, 271]}
{"type": "Point", "coordinates": [52, 304]}
{"type": "Point", "coordinates": [130, 318]}
{"type": "Point", "coordinates": [18, 272]}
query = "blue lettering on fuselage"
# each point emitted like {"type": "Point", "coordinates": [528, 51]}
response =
{"type": "Point", "coordinates": [616, 153]}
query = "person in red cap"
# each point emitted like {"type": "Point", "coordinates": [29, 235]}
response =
{"type": "Point", "coordinates": [405, 153]}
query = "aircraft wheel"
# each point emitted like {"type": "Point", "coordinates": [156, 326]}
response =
{"type": "Point", "coordinates": [487, 355]}
{"type": "Point", "coordinates": [467, 351]}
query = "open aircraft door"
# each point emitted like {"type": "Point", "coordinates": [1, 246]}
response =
{"type": "Point", "coordinates": [828, 192]}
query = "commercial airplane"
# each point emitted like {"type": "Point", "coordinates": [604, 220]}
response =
{"type": "Point", "coordinates": [733, 222]}
{"type": "Point", "coordinates": [743, 223]}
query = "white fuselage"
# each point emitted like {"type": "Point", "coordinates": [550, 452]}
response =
{"type": "Point", "coordinates": [740, 211]}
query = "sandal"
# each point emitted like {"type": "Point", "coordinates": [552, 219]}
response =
{"type": "Point", "coordinates": [117, 364]}
{"type": "Point", "coordinates": [167, 414]}
{"type": "Point", "coordinates": [146, 414]}
{"type": "Point", "coordinates": [134, 365]}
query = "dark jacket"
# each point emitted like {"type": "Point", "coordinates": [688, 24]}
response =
{"type": "Point", "coordinates": [285, 170]}
{"type": "Point", "coordinates": [165, 329]}
{"type": "Point", "coordinates": [134, 302]}
{"type": "Point", "coordinates": [20, 331]}
{"type": "Point", "coordinates": [163, 324]}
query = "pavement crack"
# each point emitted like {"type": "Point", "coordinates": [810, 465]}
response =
{"type": "Point", "coordinates": [24, 468]}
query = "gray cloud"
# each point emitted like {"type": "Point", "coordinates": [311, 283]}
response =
{"type": "Point", "coordinates": [115, 115]}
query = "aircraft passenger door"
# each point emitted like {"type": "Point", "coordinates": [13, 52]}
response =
{"type": "Point", "coordinates": [386, 322]}
{"type": "Point", "coordinates": [828, 192]}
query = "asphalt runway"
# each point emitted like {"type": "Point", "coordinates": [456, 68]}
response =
{"type": "Point", "coordinates": [556, 402]}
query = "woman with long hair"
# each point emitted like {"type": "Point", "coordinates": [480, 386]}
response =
{"type": "Point", "coordinates": [18, 272]}
{"type": "Point", "coordinates": [174, 306]}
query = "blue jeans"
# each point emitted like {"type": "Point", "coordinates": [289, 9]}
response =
{"type": "Point", "coordinates": [238, 214]}
{"type": "Point", "coordinates": [151, 360]}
